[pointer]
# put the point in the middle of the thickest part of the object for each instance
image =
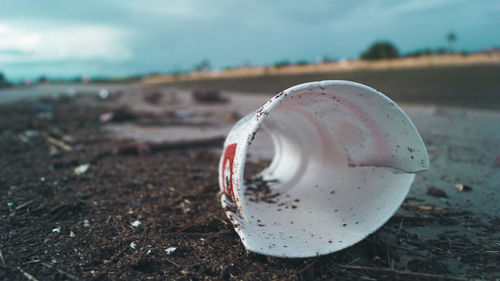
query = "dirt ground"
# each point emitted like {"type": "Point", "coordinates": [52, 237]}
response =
{"type": "Point", "coordinates": [149, 211]}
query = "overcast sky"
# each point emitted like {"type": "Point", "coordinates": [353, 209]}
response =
{"type": "Point", "coordinates": [116, 38]}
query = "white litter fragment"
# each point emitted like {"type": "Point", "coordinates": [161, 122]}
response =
{"type": "Point", "coordinates": [136, 223]}
{"type": "Point", "coordinates": [56, 230]}
{"type": "Point", "coordinates": [106, 117]}
{"type": "Point", "coordinates": [130, 211]}
{"type": "Point", "coordinates": [103, 93]}
{"type": "Point", "coordinates": [42, 179]}
{"type": "Point", "coordinates": [82, 169]}
{"type": "Point", "coordinates": [72, 234]}
{"type": "Point", "coordinates": [133, 245]}
{"type": "Point", "coordinates": [86, 223]}
{"type": "Point", "coordinates": [31, 133]}
{"type": "Point", "coordinates": [148, 252]}
{"type": "Point", "coordinates": [10, 204]}
{"type": "Point", "coordinates": [170, 250]}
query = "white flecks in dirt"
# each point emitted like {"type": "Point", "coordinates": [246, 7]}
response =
{"type": "Point", "coordinates": [82, 169]}
{"type": "Point", "coordinates": [86, 223]}
{"type": "Point", "coordinates": [56, 230]}
{"type": "Point", "coordinates": [170, 250]}
{"type": "Point", "coordinates": [72, 234]}
{"type": "Point", "coordinates": [133, 245]}
{"type": "Point", "coordinates": [136, 223]}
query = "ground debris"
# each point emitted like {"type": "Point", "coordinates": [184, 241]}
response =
{"type": "Point", "coordinates": [60, 271]}
{"type": "Point", "coordinates": [421, 207]}
{"type": "Point", "coordinates": [462, 187]}
{"type": "Point", "coordinates": [208, 96]}
{"type": "Point", "coordinates": [59, 143]}
{"type": "Point", "coordinates": [170, 250]}
{"type": "Point", "coordinates": [404, 275]}
{"type": "Point", "coordinates": [259, 190]}
{"type": "Point", "coordinates": [436, 192]}
{"type": "Point", "coordinates": [82, 169]}
{"type": "Point", "coordinates": [136, 223]}
{"type": "Point", "coordinates": [152, 97]}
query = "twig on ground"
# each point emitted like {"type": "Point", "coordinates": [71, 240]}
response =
{"type": "Point", "coordinates": [58, 143]}
{"type": "Point", "coordinates": [24, 205]}
{"type": "Point", "coordinates": [26, 274]}
{"type": "Point", "coordinates": [60, 271]}
{"type": "Point", "coordinates": [306, 267]}
{"type": "Point", "coordinates": [394, 247]}
{"type": "Point", "coordinates": [421, 207]}
{"type": "Point", "coordinates": [178, 266]}
{"type": "Point", "coordinates": [406, 273]}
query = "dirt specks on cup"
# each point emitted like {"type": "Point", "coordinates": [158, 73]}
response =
{"type": "Point", "coordinates": [345, 156]}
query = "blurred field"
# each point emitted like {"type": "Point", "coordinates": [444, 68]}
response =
{"type": "Point", "coordinates": [454, 80]}
{"type": "Point", "coordinates": [464, 86]}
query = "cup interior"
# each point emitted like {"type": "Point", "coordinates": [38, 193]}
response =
{"type": "Point", "coordinates": [331, 182]}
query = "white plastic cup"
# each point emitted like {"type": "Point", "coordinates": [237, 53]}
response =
{"type": "Point", "coordinates": [345, 157]}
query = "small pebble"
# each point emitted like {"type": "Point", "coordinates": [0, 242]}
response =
{"type": "Point", "coordinates": [56, 230]}
{"type": "Point", "coordinates": [462, 187]}
{"type": "Point", "coordinates": [170, 250]}
{"type": "Point", "coordinates": [136, 223]}
{"type": "Point", "coordinates": [133, 245]}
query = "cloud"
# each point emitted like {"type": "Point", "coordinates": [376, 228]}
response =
{"type": "Point", "coordinates": [115, 36]}
{"type": "Point", "coordinates": [55, 42]}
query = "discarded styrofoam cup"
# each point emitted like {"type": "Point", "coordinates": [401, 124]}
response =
{"type": "Point", "coordinates": [345, 156]}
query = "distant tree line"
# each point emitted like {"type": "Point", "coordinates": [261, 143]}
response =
{"type": "Point", "coordinates": [387, 50]}
{"type": "Point", "coordinates": [3, 81]}
{"type": "Point", "coordinates": [380, 50]}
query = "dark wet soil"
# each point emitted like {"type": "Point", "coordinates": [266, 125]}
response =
{"type": "Point", "coordinates": [116, 220]}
